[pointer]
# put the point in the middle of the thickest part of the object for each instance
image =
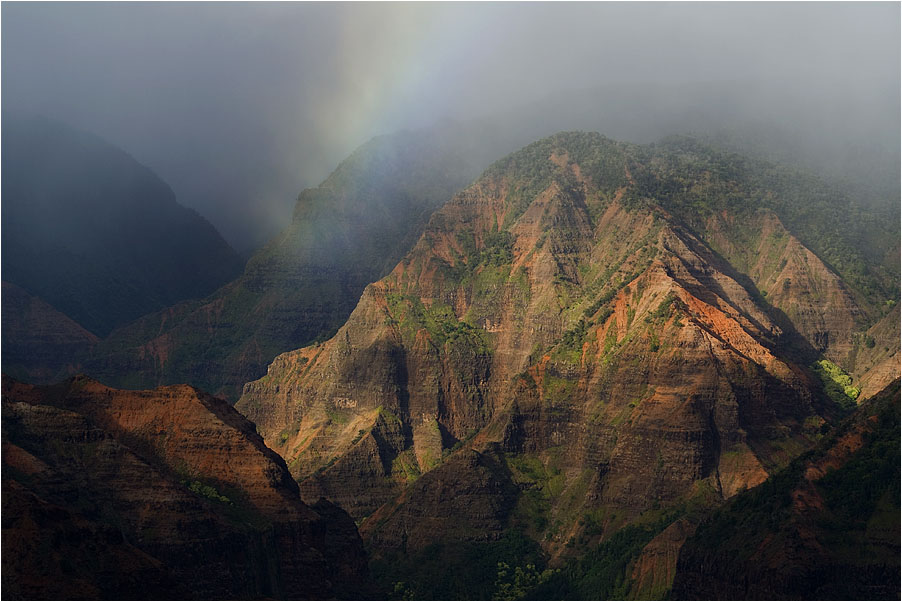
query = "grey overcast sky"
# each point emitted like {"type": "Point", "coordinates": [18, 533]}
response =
{"type": "Point", "coordinates": [239, 106]}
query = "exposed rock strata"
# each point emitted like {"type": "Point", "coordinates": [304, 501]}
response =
{"type": "Point", "coordinates": [174, 483]}
{"type": "Point", "coordinates": [793, 279]}
{"type": "Point", "coordinates": [551, 313]}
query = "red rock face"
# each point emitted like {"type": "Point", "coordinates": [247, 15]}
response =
{"type": "Point", "coordinates": [793, 279]}
{"type": "Point", "coordinates": [563, 324]}
{"type": "Point", "coordinates": [654, 570]}
{"type": "Point", "coordinates": [172, 482]}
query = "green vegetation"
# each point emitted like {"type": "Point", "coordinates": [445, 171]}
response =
{"type": "Point", "coordinates": [654, 344]}
{"type": "Point", "coordinates": [694, 180]}
{"type": "Point", "coordinates": [498, 248]}
{"type": "Point", "coordinates": [558, 389]}
{"type": "Point", "coordinates": [602, 573]}
{"type": "Point", "coordinates": [570, 348]}
{"type": "Point", "coordinates": [856, 528]}
{"type": "Point", "coordinates": [461, 570]}
{"type": "Point", "coordinates": [543, 484]}
{"type": "Point", "coordinates": [206, 491]}
{"type": "Point", "coordinates": [837, 384]}
{"type": "Point", "coordinates": [665, 309]}
{"type": "Point", "coordinates": [388, 416]}
{"type": "Point", "coordinates": [337, 417]}
{"type": "Point", "coordinates": [405, 465]}
{"type": "Point", "coordinates": [360, 435]}
{"type": "Point", "coordinates": [516, 583]}
{"type": "Point", "coordinates": [853, 491]}
{"type": "Point", "coordinates": [573, 338]}
{"type": "Point", "coordinates": [602, 160]}
{"type": "Point", "coordinates": [440, 321]}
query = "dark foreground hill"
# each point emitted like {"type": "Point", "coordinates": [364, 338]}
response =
{"type": "Point", "coordinates": [163, 494]}
{"type": "Point", "coordinates": [825, 528]}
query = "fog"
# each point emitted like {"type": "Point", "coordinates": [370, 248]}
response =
{"type": "Point", "coordinates": [239, 106]}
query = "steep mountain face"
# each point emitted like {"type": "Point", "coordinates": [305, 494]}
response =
{"type": "Point", "coordinates": [816, 264]}
{"type": "Point", "coordinates": [825, 527]}
{"type": "Point", "coordinates": [96, 234]}
{"type": "Point", "coordinates": [345, 233]}
{"type": "Point", "coordinates": [876, 359]}
{"type": "Point", "coordinates": [591, 332]}
{"type": "Point", "coordinates": [158, 494]}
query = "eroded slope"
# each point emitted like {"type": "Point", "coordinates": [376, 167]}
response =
{"type": "Point", "coordinates": [174, 485]}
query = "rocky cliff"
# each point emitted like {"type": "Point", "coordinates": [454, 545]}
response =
{"type": "Point", "coordinates": [590, 333]}
{"type": "Point", "coordinates": [170, 493]}
{"type": "Point", "coordinates": [876, 356]}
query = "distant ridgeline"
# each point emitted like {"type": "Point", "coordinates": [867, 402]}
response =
{"type": "Point", "coordinates": [586, 351]}
{"type": "Point", "coordinates": [78, 276]}
{"type": "Point", "coordinates": [92, 239]}
{"type": "Point", "coordinates": [302, 285]}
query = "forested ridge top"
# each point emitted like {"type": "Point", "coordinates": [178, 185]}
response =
{"type": "Point", "coordinates": [693, 179]}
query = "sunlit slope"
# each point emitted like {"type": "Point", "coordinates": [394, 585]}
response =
{"type": "Point", "coordinates": [570, 305]}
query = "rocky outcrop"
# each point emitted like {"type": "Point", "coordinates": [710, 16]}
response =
{"type": "Point", "coordinates": [825, 527]}
{"type": "Point", "coordinates": [876, 358]}
{"type": "Point", "coordinates": [172, 482]}
{"type": "Point", "coordinates": [654, 569]}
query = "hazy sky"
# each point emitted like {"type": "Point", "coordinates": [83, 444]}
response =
{"type": "Point", "coordinates": [239, 106]}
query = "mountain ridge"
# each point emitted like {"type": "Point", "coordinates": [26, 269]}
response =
{"type": "Point", "coordinates": [824, 526]}
{"type": "Point", "coordinates": [561, 321]}
{"type": "Point", "coordinates": [96, 234]}
{"type": "Point", "coordinates": [302, 285]}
